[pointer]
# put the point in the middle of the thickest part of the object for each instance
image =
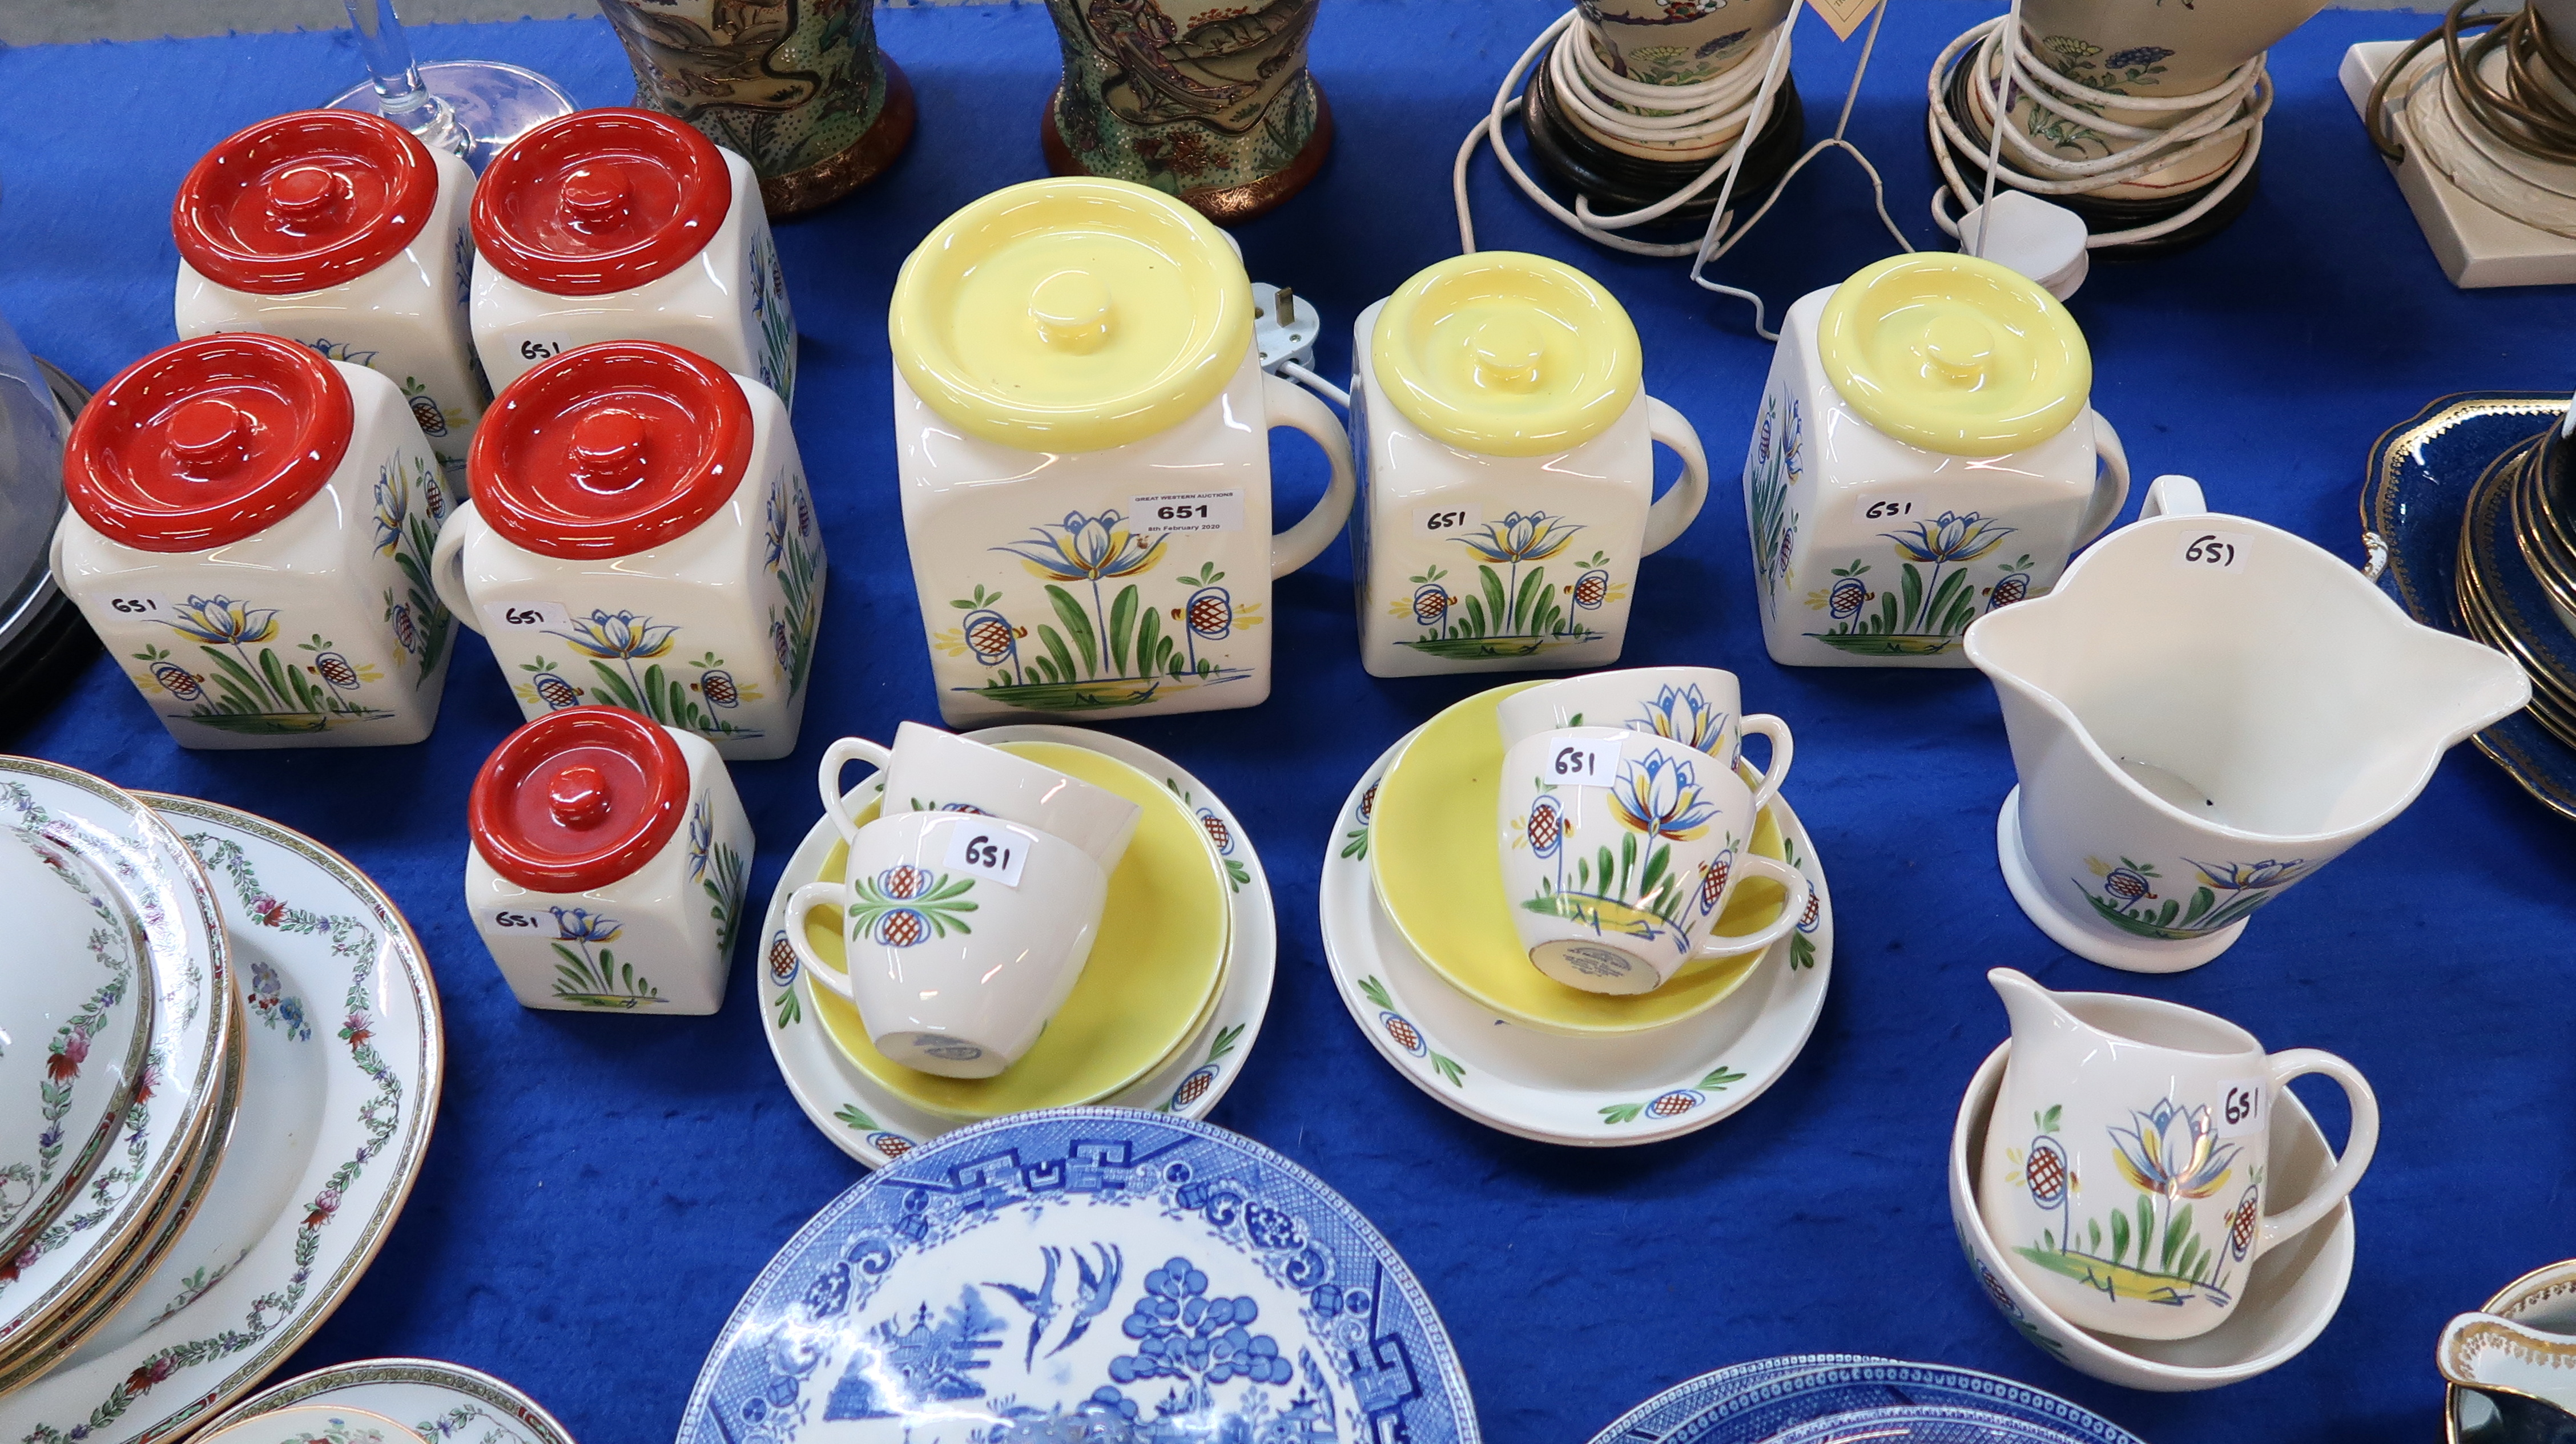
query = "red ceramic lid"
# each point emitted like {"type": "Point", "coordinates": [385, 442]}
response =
{"type": "Point", "coordinates": [204, 443]}
{"type": "Point", "coordinates": [304, 201]}
{"type": "Point", "coordinates": [600, 201]}
{"type": "Point", "coordinates": [578, 799]}
{"type": "Point", "coordinates": [610, 450]}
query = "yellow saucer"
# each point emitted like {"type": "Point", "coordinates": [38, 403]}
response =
{"type": "Point", "coordinates": [1440, 877]}
{"type": "Point", "coordinates": [1154, 972]}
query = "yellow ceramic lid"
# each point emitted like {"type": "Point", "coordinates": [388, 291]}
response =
{"type": "Point", "coordinates": [1506, 354]}
{"type": "Point", "coordinates": [1071, 315]}
{"type": "Point", "coordinates": [1954, 354]}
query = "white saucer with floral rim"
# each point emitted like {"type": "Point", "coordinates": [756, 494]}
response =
{"type": "Point", "coordinates": [443, 1403]}
{"type": "Point", "coordinates": [338, 992]}
{"type": "Point", "coordinates": [1595, 1092]}
{"type": "Point", "coordinates": [871, 1125]}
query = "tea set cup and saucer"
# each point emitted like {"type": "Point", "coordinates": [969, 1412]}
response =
{"type": "Point", "coordinates": [1037, 916]}
{"type": "Point", "coordinates": [1512, 957]}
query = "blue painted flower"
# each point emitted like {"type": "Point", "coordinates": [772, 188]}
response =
{"type": "Point", "coordinates": [221, 621]}
{"type": "Point", "coordinates": [2134, 55]}
{"type": "Point", "coordinates": [1659, 795]}
{"type": "Point", "coordinates": [1949, 537]}
{"type": "Point", "coordinates": [393, 504]}
{"type": "Point", "coordinates": [1684, 715]}
{"type": "Point", "coordinates": [2239, 876]}
{"type": "Point", "coordinates": [2172, 1151]}
{"type": "Point", "coordinates": [1087, 548]}
{"type": "Point", "coordinates": [578, 925]}
{"type": "Point", "coordinates": [619, 636]}
{"type": "Point", "coordinates": [1522, 537]}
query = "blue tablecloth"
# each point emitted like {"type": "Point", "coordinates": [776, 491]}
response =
{"type": "Point", "coordinates": [601, 1189]}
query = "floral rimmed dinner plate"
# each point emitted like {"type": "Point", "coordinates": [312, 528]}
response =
{"type": "Point", "coordinates": [2414, 495]}
{"type": "Point", "coordinates": [1602, 1091]}
{"type": "Point", "coordinates": [1084, 1274]}
{"type": "Point", "coordinates": [338, 993]}
{"type": "Point", "coordinates": [158, 910]}
{"type": "Point", "coordinates": [1154, 972]}
{"type": "Point", "coordinates": [872, 1125]}
{"type": "Point", "coordinates": [443, 1403]}
{"type": "Point", "coordinates": [1440, 880]}
{"type": "Point", "coordinates": [313, 1424]}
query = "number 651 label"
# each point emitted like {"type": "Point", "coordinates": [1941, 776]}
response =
{"type": "Point", "coordinates": [2240, 1108]}
{"type": "Point", "coordinates": [2212, 551]}
{"type": "Point", "coordinates": [993, 851]}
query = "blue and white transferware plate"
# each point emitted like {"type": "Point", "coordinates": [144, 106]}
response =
{"type": "Point", "coordinates": [1650, 1421]}
{"type": "Point", "coordinates": [443, 1403]}
{"type": "Point", "coordinates": [1920, 1424]}
{"type": "Point", "coordinates": [1783, 1402]}
{"type": "Point", "coordinates": [2413, 497]}
{"type": "Point", "coordinates": [1099, 1274]}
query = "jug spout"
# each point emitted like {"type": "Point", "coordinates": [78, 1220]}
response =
{"type": "Point", "coordinates": [2034, 1010]}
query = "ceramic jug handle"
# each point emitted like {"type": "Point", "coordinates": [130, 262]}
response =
{"type": "Point", "coordinates": [2111, 492]}
{"type": "Point", "coordinates": [828, 777]}
{"type": "Point", "coordinates": [1675, 510]}
{"type": "Point", "coordinates": [2358, 1144]}
{"type": "Point", "coordinates": [1792, 913]}
{"type": "Point", "coordinates": [804, 900]}
{"type": "Point", "coordinates": [2173, 496]}
{"type": "Point", "coordinates": [1290, 404]}
{"type": "Point", "coordinates": [1763, 724]}
{"type": "Point", "coordinates": [447, 565]}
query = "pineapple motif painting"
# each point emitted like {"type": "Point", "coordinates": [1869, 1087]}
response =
{"type": "Point", "coordinates": [1933, 596]}
{"type": "Point", "coordinates": [410, 505]}
{"type": "Point", "coordinates": [2222, 895]}
{"type": "Point", "coordinates": [793, 553]}
{"type": "Point", "coordinates": [1772, 468]}
{"type": "Point", "coordinates": [905, 905]}
{"type": "Point", "coordinates": [1511, 609]}
{"type": "Point", "coordinates": [2148, 1245]}
{"type": "Point", "coordinates": [249, 687]}
{"type": "Point", "coordinates": [676, 693]}
{"type": "Point", "coordinates": [1112, 632]}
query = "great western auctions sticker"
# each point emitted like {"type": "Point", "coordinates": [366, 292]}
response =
{"type": "Point", "coordinates": [1188, 511]}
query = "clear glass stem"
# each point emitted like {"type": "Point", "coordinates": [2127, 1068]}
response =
{"type": "Point", "coordinates": [400, 95]}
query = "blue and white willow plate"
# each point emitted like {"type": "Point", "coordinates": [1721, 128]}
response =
{"type": "Point", "coordinates": [1773, 1406]}
{"type": "Point", "coordinates": [1094, 1274]}
{"type": "Point", "coordinates": [2413, 496]}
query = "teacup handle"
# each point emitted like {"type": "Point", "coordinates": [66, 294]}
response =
{"type": "Point", "coordinates": [1763, 724]}
{"type": "Point", "coordinates": [2111, 490]}
{"type": "Point", "coordinates": [1292, 405]}
{"type": "Point", "coordinates": [1800, 890]}
{"type": "Point", "coordinates": [828, 778]}
{"type": "Point", "coordinates": [447, 565]}
{"type": "Point", "coordinates": [2358, 1144]}
{"type": "Point", "coordinates": [1675, 510]}
{"type": "Point", "coordinates": [804, 900]}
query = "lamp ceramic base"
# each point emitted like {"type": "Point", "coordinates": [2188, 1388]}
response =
{"type": "Point", "coordinates": [494, 102]}
{"type": "Point", "coordinates": [2129, 955]}
{"type": "Point", "coordinates": [2477, 245]}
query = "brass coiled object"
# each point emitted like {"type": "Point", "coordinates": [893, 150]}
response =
{"type": "Point", "coordinates": [2532, 111]}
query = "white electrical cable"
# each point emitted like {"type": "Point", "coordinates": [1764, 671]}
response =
{"type": "Point", "coordinates": [2006, 71]}
{"type": "Point", "coordinates": [1315, 383]}
{"type": "Point", "coordinates": [1588, 88]}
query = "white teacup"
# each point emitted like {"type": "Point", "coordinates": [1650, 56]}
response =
{"type": "Point", "coordinates": [928, 770]}
{"type": "Point", "coordinates": [1620, 849]}
{"type": "Point", "coordinates": [965, 933]}
{"type": "Point", "coordinates": [1701, 707]}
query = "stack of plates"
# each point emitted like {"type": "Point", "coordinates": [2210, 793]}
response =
{"type": "Point", "coordinates": [1165, 1012]}
{"type": "Point", "coordinates": [1419, 935]}
{"type": "Point", "coordinates": [1823, 1398]}
{"type": "Point", "coordinates": [222, 1059]}
{"type": "Point", "coordinates": [2517, 548]}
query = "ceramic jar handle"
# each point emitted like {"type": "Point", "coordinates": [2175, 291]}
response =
{"type": "Point", "coordinates": [1763, 724]}
{"type": "Point", "coordinates": [1675, 510]}
{"type": "Point", "coordinates": [803, 901]}
{"type": "Point", "coordinates": [2358, 1144]}
{"type": "Point", "coordinates": [828, 778]}
{"type": "Point", "coordinates": [1792, 912]}
{"type": "Point", "coordinates": [2172, 496]}
{"type": "Point", "coordinates": [1292, 405]}
{"type": "Point", "coordinates": [447, 565]}
{"type": "Point", "coordinates": [2111, 490]}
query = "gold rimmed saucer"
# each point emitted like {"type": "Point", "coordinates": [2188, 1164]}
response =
{"type": "Point", "coordinates": [1440, 878]}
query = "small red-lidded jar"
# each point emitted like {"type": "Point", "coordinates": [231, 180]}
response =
{"type": "Point", "coordinates": [340, 231]}
{"type": "Point", "coordinates": [687, 479]}
{"type": "Point", "coordinates": [250, 529]}
{"type": "Point", "coordinates": [607, 864]}
{"type": "Point", "coordinates": [622, 224]}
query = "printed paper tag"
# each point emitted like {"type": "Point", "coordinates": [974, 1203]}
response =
{"type": "Point", "coordinates": [148, 605]}
{"type": "Point", "coordinates": [524, 616]}
{"type": "Point", "coordinates": [1844, 16]}
{"type": "Point", "coordinates": [1887, 510]}
{"type": "Point", "coordinates": [1576, 761]}
{"type": "Point", "coordinates": [2240, 1108]}
{"type": "Point", "coordinates": [2212, 551]}
{"type": "Point", "coordinates": [1432, 520]}
{"type": "Point", "coordinates": [994, 851]}
{"type": "Point", "coordinates": [541, 346]}
{"type": "Point", "coordinates": [1188, 511]}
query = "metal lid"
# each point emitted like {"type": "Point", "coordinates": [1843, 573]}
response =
{"type": "Point", "coordinates": [610, 450]}
{"type": "Point", "coordinates": [1506, 354]}
{"type": "Point", "coordinates": [304, 201]}
{"type": "Point", "coordinates": [578, 799]}
{"type": "Point", "coordinates": [201, 444]}
{"type": "Point", "coordinates": [1954, 354]}
{"type": "Point", "coordinates": [600, 201]}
